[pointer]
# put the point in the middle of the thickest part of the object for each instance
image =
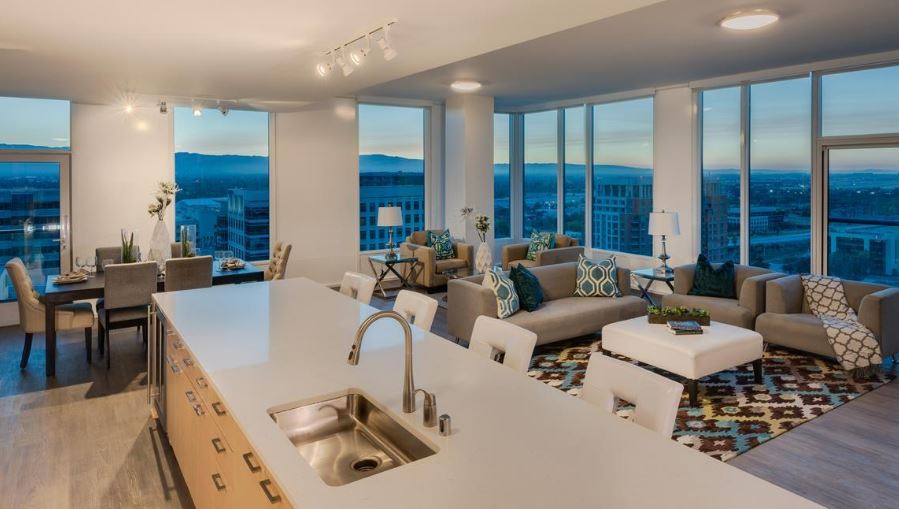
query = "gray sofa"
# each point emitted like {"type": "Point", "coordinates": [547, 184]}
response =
{"type": "Point", "coordinates": [742, 311]}
{"type": "Point", "coordinates": [787, 320]}
{"type": "Point", "coordinates": [561, 316]}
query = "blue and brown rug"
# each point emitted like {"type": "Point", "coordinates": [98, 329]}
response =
{"type": "Point", "coordinates": [734, 414]}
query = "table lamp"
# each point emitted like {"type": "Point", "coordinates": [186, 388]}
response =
{"type": "Point", "coordinates": [390, 217]}
{"type": "Point", "coordinates": [664, 224]}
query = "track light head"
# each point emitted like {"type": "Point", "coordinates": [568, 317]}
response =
{"type": "Point", "coordinates": [344, 64]}
{"type": "Point", "coordinates": [323, 69]}
{"type": "Point", "coordinates": [197, 110]}
{"type": "Point", "coordinates": [384, 44]}
{"type": "Point", "coordinates": [163, 107]}
{"type": "Point", "coordinates": [224, 110]}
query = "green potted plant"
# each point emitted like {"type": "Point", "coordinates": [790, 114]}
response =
{"type": "Point", "coordinates": [664, 314]}
{"type": "Point", "coordinates": [129, 255]}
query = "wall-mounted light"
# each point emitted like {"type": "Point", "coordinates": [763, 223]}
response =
{"type": "Point", "coordinates": [163, 107]}
{"type": "Point", "coordinates": [749, 20]}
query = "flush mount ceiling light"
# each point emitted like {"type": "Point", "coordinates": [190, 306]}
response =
{"type": "Point", "coordinates": [749, 20]}
{"type": "Point", "coordinates": [465, 85]}
{"type": "Point", "coordinates": [354, 52]}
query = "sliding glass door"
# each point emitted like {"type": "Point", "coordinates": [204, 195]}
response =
{"type": "Point", "coordinates": [34, 212]}
{"type": "Point", "coordinates": [862, 202]}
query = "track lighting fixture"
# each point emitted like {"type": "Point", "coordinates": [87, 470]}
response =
{"type": "Point", "coordinates": [129, 108]}
{"type": "Point", "coordinates": [163, 107]}
{"type": "Point", "coordinates": [346, 57]}
{"type": "Point", "coordinates": [198, 111]}
{"type": "Point", "coordinates": [223, 110]}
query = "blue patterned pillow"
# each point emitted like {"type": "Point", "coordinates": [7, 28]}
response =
{"type": "Point", "coordinates": [507, 303]}
{"type": "Point", "coordinates": [540, 241]}
{"type": "Point", "coordinates": [442, 244]}
{"type": "Point", "coordinates": [597, 279]}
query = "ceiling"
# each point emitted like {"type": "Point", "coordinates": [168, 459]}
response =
{"type": "Point", "coordinates": [261, 54]}
{"type": "Point", "coordinates": [667, 43]}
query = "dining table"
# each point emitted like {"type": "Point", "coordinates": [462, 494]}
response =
{"type": "Point", "coordinates": [93, 288]}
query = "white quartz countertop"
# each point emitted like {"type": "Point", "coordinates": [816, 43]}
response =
{"type": "Point", "coordinates": [517, 443]}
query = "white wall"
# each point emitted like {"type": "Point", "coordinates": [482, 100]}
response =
{"type": "Point", "coordinates": [316, 189]}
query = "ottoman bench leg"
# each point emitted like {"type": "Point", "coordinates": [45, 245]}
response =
{"type": "Point", "coordinates": [691, 390]}
{"type": "Point", "coordinates": [757, 370]}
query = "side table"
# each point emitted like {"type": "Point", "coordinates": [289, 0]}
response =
{"type": "Point", "coordinates": [646, 277]}
{"type": "Point", "coordinates": [388, 265]}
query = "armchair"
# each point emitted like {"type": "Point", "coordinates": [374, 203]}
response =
{"type": "Point", "coordinates": [429, 272]}
{"type": "Point", "coordinates": [742, 311]}
{"type": "Point", "coordinates": [787, 320]}
{"type": "Point", "coordinates": [566, 250]}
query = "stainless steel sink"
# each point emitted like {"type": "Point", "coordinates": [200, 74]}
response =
{"type": "Point", "coordinates": [348, 438]}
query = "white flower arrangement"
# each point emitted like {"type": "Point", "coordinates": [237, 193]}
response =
{"type": "Point", "coordinates": [165, 195]}
{"type": "Point", "coordinates": [481, 222]}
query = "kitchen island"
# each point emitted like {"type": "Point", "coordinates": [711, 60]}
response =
{"type": "Point", "coordinates": [516, 442]}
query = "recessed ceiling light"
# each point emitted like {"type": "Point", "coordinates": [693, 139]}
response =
{"type": "Point", "coordinates": [750, 20]}
{"type": "Point", "coordinates": [465, 85]}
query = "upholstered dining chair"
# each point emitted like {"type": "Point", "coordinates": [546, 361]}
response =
{"type": "Point", "coordinates": [492, 336]}
{"type": "Point", "coordinates": [176, 249]}
{"type": "Point", "coordinates": [32, 313]}
{"type": "Point", "coordinates": [656, 398]}
{"type": "Point", "coordinates": [277, 264]}
{"type": "Point", "coordinates": [113, 253]}
{"type": "Point", "coordinates": [127, 292]}
{"type": "Point", "coordinates": [417, 309]}
{"type": "Point", "coordinates": [188, 273]}
{"type": "Point", "coordinates": [358, 286]}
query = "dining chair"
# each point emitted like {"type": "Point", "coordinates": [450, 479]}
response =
{"type": "Point", "coordinates": [176, 249]}
{"type": "Point", "coordinates": [277, 264]}
{"type": "Point", "coordinates": [655, 398]}
{"type": "Point", "coordinates": [493, 337]}
{"type": "Point", "coordinates": [358, 286]}
{"type": "Point", "coordinates": [416, 308]}
{"type": "Point", "coordinates": [188, 273]}
{"type": "Point", "coordinates": [79, 315]}
{"type": "Point", "coordinates": [113, 253]}
{"type": "Point", "coordinates": [126, 299]}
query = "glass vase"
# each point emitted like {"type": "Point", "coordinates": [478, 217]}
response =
{"type": "Point", "coordinates": [188, 239]}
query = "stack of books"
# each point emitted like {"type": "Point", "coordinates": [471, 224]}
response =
{"type": "Point", "coordinates": [684, 327]}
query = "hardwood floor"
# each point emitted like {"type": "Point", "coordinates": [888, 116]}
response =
{"type": "Point", "coordinates": [86, 440]}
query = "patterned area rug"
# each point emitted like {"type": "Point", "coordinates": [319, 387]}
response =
{"type": "Point", "coordinates": [734, 414]}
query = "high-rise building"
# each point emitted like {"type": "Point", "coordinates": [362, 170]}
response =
{"type": "Point", "coordinates": [621, 208]}
{"type": "Point", "coordinates": [248, 232]}
{"type": "Point", "coordinates": [389, 190]}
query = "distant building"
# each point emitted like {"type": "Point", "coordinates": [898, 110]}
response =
{"type": "Point", "coordinates": [248, 232]}
{"type": "Point", "coordinates": [877, 246]}
{"type": "Point", "coordinates": [29, 229]}
{"type": "Point", "coordinates": [761, 219]}
{"type": "Point", "coordinates": [210, 217]}
{"type": "Point", "coordinates": [621, 208]}
{"type": "Point", "coordinates": [715, 224]}
{"type": "Point", "coordinates": [398, 189]}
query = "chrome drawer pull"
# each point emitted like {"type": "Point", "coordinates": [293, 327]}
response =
{"type": "Point", "coordinates": [272, 498]}
{"type": "Point", "coordinates": [177, 345]}
{"type": "Point", "coordinates": [217, 444]}
{"type": "Point", "coordinates": [219, 409]}
{"type": "Point", "coordinates": [201, 382]}
{"type": "Point", "coordinates": [219, 483]}
{"type": "Point", "coordinates": [173, 364]}
{"type": "Point", "coordinates": [188, 362]}
{"type": "Point", "coordinates": [191, 396]}
{"type": "Point", "coordinates": [248, 459]}
{"type": "Point", "coordinates": [199, 410]}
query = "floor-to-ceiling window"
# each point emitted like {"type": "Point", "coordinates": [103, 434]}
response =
{"type": "Point", "coordinates": [860, 128]}
{"type": "Point", "coordinates": [622, 175]}
{"type": "Point", "coordinates": [502, 149]}
{"type": "Point", "coordinates": [721, 153]}
{"type": "Point", "coordinates": [780, 175]}
{"type": "Point", "coordinates": [391, 170]}
{"type": "Point", "coordinates": [34, 188]}
{"type": "Point", "coordinates": [574, 181]}
{"type": "Point", "coordinates": [540, 172]}
{"type": "Point", "coordinates": [222, 167]}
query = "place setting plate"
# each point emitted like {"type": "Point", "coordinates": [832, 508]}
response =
{"type": "Point", "coordinates": [232, 265]}
{"type": "Point", "coordinates": [70, 278]}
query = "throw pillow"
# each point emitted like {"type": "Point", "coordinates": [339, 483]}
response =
{"type": "Point", "coordinates": [442, 244]}
{"type": "Point", "coordinates": [540, 241]}
{"type": "Point", "coordinates": [507, 303]}
{"type": "Point", "coordinates": [711, 282]}
{"type": "Point", "coordinates": [597, 279]}
{"type": "Point", "coordinates": [530, 295]}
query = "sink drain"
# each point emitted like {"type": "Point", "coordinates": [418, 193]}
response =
{"type": "Point", "coordinates": [366, 464]}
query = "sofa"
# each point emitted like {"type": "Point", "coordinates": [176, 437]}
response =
{"type": "Point", "coordinates": [561, 316]}
{"type": "Point", "coordinates": [742, 311]}
{"type": "Point", "coordinates": [787, 320]}
{"type": "Point", "coordinates": [428, 273]}
{"type": "Point", "coordinates": [566, 250]}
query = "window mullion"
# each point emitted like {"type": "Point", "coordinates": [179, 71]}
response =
{"type": "Point", "coordinates": [744, 172]}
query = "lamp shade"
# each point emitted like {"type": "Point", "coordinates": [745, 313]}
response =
{"type": "Point", "coordinates": [390, 216]}
{"type": "Point", "coordinates": [664, 223]}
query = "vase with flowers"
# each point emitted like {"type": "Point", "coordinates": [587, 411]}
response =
{"type": "Point", "coordinates": [160, 242]}
{"type": "Point", "coordinates": [484, 256]}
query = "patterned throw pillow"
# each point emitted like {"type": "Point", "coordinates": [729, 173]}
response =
{"type": "Point", "coordinates": [540, 241]}
{"type": "Point", "coordinates": [711, 282]}
{"type": "Point", "coordinates": [507, 303]}
{"type": "Point", "coordinates": [442, 244]}
{"type": "Point", "coordinates": [597, 279]}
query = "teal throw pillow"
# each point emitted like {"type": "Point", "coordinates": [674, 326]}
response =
{"type": "Point", "coordinates": [507, 303]}
{"type": "Point", "coordinates": [597, 279]}
{"type": "Point", "coordinates": [711, 282]}
{"type": "Point", "coordinates": [540, 241]}
{"type": "Point", "coordinates": [442, 244]}
{"type": "Point", "coordinates": [527, 285]}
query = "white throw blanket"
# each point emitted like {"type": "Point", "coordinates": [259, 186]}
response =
{"type": "Point", "coordinates": [855, 345]}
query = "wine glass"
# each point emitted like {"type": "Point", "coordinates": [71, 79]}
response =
{"type": "Point", "coordinates": [80, 263]}
{"type": "Point", "coordinates": [91, 263]}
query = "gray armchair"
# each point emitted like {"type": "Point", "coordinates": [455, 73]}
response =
{"type": "Point", "coordinates": [429, 272]}
{"type": "Point", "coordinates": [742, 311]}
{"type": "Point", "coordinates": [787, 320]}
{"type": "Point", "coordinates": [566, 250]}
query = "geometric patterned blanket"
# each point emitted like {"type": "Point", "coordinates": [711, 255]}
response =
{"type": "Point", "coordinates": [855, 345]}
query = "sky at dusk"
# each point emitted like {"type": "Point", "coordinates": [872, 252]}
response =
{"type": "Point", "coordinates": [391, 130]}
{"type": "Point", "coordinates": [41, 122]}
{"type": "Point", "coordinates": [241, 132]}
